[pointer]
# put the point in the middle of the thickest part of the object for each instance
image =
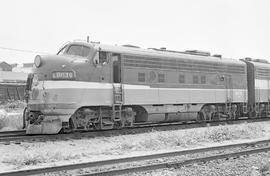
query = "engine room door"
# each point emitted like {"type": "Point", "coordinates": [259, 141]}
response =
{"type": "Point", "coordinates": [229, 88]}
{"type": "Point", "coordinates": [116, 64]}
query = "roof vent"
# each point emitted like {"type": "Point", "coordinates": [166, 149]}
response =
{"type": "Point", "coordinates": [248, 59]}
{"type": "Point", "coordinates": [131, 46]}
{"type": "Point", "coordinates": [217, 55]}
{"type": "Point", "coordinates": [260, 60]}
{"type": "Point", "coordinates": [153, 48]}
{"type": "Point", "coordinates": [93, 42]}
{"type": "Point", "coordinates": [198, 52]}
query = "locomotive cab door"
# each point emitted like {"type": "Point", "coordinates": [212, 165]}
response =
{"type": "Point", "coordinates": [102, 70]}
{"type": "Point", "coordinates": [116, 65]}
{"type": "Point", "coordinates": [118, 91]}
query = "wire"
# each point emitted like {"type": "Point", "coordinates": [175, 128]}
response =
{"type": "Point", "coordinates": [20, 50]}
{"type": "Point", "coordinates": [7, 59]}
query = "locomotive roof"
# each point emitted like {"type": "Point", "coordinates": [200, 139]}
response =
{"type": "Point", "coordinates": [159, 54]}
{"type": "Point", "coordinates": [260, 64]}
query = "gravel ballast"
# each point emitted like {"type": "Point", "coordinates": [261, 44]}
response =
{"type": "Point", "coordinates": [42, 154]}
{"type": "Point", "coordinates": [253, 165]}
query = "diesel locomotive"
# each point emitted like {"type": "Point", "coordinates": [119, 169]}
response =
{"type": "Point", "coordinates": [91, 86]}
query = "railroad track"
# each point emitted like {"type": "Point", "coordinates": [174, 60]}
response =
{"type": "Point", "coordinates": [20, 136]}
{"type": "Point", "coordinates": [12, 133]}
{"type": "Point", "coordinates": [107, 167]}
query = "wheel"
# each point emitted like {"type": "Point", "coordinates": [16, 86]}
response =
{"type": "Point", "coordinates": [25, 114]}
{"type": "Point", "coordinates": [200, 116]}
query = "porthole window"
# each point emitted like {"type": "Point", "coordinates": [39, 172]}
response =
{"type": "Point", "coordinates": [203, 79]}
{"type": "Point", "coordinates": [141, 77]}
{"type": "Point", "coordinates": [195, 79]}
{"type": "Point", "coordinates": [161, 77]}
{"type": "Point", "coordinates": [181, 78]}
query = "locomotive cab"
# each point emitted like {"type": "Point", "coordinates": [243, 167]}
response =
{"type": "Point", "coordinates": [80, 75]}
{"type": "Point", "coordinates": [54, 90]}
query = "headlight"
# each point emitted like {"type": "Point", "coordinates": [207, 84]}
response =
{"type": "Point", "coordinates": [37, 61]}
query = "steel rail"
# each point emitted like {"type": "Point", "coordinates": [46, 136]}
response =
{"type": "Point", "coordinates": [177, 164]}
{"type": "Point", "coordinates": [138, 128]}
{"type": "Point", "coordinates": [12, 133]}
{"type": "Point", "coordinates": [132, 159]}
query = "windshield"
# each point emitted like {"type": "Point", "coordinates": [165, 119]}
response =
{"type": "Point", "coordinates": [76, 50]}
{"type": "Point", "coordinates": [62, 50]}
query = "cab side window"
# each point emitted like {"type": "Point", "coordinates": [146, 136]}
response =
{"type": "Point", "coordinates": [102, 57]}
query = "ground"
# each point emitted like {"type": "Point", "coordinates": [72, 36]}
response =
{"type": "Point", "coordinates": [254, 165]}
{"type": "Point", "coordinates": [11, 115]}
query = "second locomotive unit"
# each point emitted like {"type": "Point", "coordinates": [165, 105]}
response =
{"type": "Point", "coordinates": [94, 86]}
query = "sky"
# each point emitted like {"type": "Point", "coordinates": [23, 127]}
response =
{"type": "Point", "coordinates": [233, 28]}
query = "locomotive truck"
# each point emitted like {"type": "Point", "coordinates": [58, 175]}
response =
{"type": "Point", "coordinates": [92, 86]}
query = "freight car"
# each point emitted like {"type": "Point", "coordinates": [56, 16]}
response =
{"type": "Point", "coordinates": [94, 86]}
{"type": "Point", "coordinates": [11, 92]}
